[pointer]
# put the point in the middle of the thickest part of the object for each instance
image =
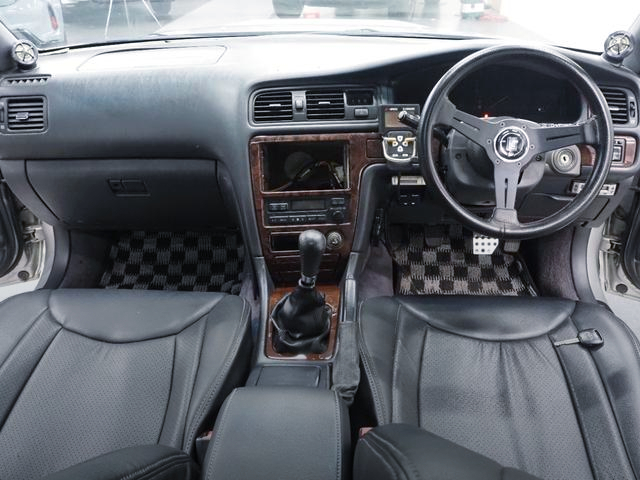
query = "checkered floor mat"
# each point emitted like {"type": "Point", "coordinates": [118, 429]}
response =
{"type": "Point", "coordinates": [440, 261]}
{"type": "Point", "coordinates": [203, 262]}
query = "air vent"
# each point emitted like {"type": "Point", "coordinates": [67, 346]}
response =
{"type": "Point", "coordinates": [273, 107]}
{"type": "Point", "coordinates": [39, 80]}
{"type": "Point", "coordinates": [325, 104]}
{"type": "Point", "coordinates": [618, 102]}
{"type": "Point", "coordinates": [25, 114]}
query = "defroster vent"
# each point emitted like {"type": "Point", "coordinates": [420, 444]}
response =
{"type": "Point", "coordinates": [325, 104]}
{"type": "Point", "coordinates": [25, 114]}
{"type": "Point", "coordinates": [273, 107]}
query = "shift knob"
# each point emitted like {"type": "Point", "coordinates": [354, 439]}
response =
{"type": "Point", "coordinates": [312, 245]}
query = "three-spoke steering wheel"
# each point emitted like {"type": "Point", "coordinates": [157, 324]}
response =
{"type": "Point", "coordinates": [511, 143]}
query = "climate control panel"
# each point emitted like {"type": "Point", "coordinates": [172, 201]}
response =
{"type": "Point", "coordinates": [307, 211]}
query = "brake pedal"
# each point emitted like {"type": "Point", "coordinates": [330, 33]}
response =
{"type": "Point", "coordinates": [483, 245]}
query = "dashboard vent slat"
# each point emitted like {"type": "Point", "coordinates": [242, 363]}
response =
{"type": "Point", "coordinates": [25, 81]}
{"type": "Point", "coordinates": [273, 107]}
{"type": "Point", "coordinates": [325, 104]}
{"type": "Point", "coordinates": [618, 101]}
{"type": "Point", "coordinates": [26, 114]}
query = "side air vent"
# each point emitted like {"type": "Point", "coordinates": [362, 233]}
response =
{"type": "Point", "coordinates": [33, 80]}
{"type": "Point", "coordinates": [618, 101]}
{"type": "Point", "coordinates": [26, 114]}
{"type": "Point", "coordinates": [325, 104]}
{"type": "Point", "coordinates": [273, 107]}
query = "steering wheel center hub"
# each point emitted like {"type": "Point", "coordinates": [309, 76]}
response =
{"type": "Point", "coordinates": [511, 144]}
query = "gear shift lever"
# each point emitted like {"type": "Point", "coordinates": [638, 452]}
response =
{"type": "Point", "coordinates": [312, 245]}
{"type": "Point", "coordinates": [302, 319]}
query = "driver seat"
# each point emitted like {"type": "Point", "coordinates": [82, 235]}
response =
{"type": "Point", "coordinates": [484, 373]}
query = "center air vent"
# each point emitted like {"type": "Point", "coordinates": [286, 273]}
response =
{"type": "Point", "coordinates": [325, 104]}
{"type": "Point", "coordinates": [273, 107]}
{"type": "Point", "coordinates": [26, 114]}
{"type": "Point", "coordinates": [619, 105]}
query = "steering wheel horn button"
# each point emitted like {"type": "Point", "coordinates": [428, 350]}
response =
{"type": "Point", "coordinates": [511, 144]}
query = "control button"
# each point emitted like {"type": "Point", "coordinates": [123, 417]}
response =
{"type": "Point", "coordinates": [279, 220]}
{"type": "Point", "coordinates": [337, 216]}
{"type": "Point", "coordinates": [278, 207]}
{"type": "Point", "coordinates": [337, 202]}
{"type": "Point", "coordinates": [400, 149]}
{"type": "Point", "coordinates": [617, 153]}
{"type": "Point", "coordinates": [607, 190]}
{"type": "Point", "coordinates": [299, 103]}
{"type": "Point", "coordinates": [361, 112]}
{"type": "Point", "coordinates": [334, 240]}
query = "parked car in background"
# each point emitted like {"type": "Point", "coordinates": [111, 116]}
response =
{"type": "Point", "coordinates": [90, 8]}
{"type": "Point", "coordinates": [293, 8]}
{"type": "Point", "coordinates": [40, 21]}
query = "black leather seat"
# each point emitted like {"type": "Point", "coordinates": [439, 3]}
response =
{"type": "Point", "coordinates": [484, 373]}
{"type": "Point", "coordinates": [87, 372]}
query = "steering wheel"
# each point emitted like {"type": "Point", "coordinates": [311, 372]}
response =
{"type": "Point", "coordinates": [512, 143]}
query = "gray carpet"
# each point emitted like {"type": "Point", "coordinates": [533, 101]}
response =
{"type": "Point", "coordinates": [439, 260]}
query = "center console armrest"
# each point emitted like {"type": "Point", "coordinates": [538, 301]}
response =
{"type": "Point", "coordinates": [280, 432]}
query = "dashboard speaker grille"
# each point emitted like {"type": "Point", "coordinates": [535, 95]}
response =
{"type": "Point", "coordinates": [618, 101]}
{"type": "Point", "coordinates": [273, 107]}
{"type": "Point", "coordinates": [325, 104]}
{"type": "Point", "coordinates": [26, 114]}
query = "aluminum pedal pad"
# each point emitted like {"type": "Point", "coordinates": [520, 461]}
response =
{"type": "Point", "coordinates": [483, 245]}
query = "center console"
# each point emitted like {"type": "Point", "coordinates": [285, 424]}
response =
{"type": "Point", "coordinates": [301, 183]}
{"type": "Point", "coordinates": [284, 433]}
{"type": "Point", "coordinates": [309, 181]}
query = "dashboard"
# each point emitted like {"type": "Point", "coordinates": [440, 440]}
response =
{"type": "Point", "coordinates": [166, 134]}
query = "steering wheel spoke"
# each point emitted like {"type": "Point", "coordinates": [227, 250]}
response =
{"type": "Point", "coordinates": [546, 138]}
{"type": "Point", "coordinates": [503, 218]}
{"type": "Point", "coordinates": [474, 128]}
{"type": "Point", "coordinates": [506, 178]}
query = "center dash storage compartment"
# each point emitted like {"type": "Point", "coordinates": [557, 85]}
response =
{"type": "Point", "coordinates": [304, 166]}
{"type": "Point", "coordinates": [288, 433]}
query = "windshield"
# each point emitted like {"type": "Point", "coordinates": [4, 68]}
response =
{"type": "Point", "coordinates": [582, 24]}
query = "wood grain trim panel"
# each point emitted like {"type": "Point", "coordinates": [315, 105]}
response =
{"type": "Point", "coordinates": [361, 152]}
{"type": "Point", "coordinates": [588, 153]}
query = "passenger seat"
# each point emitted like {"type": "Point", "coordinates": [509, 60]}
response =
{"type": "Point", "coordinates": [85, 373]}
